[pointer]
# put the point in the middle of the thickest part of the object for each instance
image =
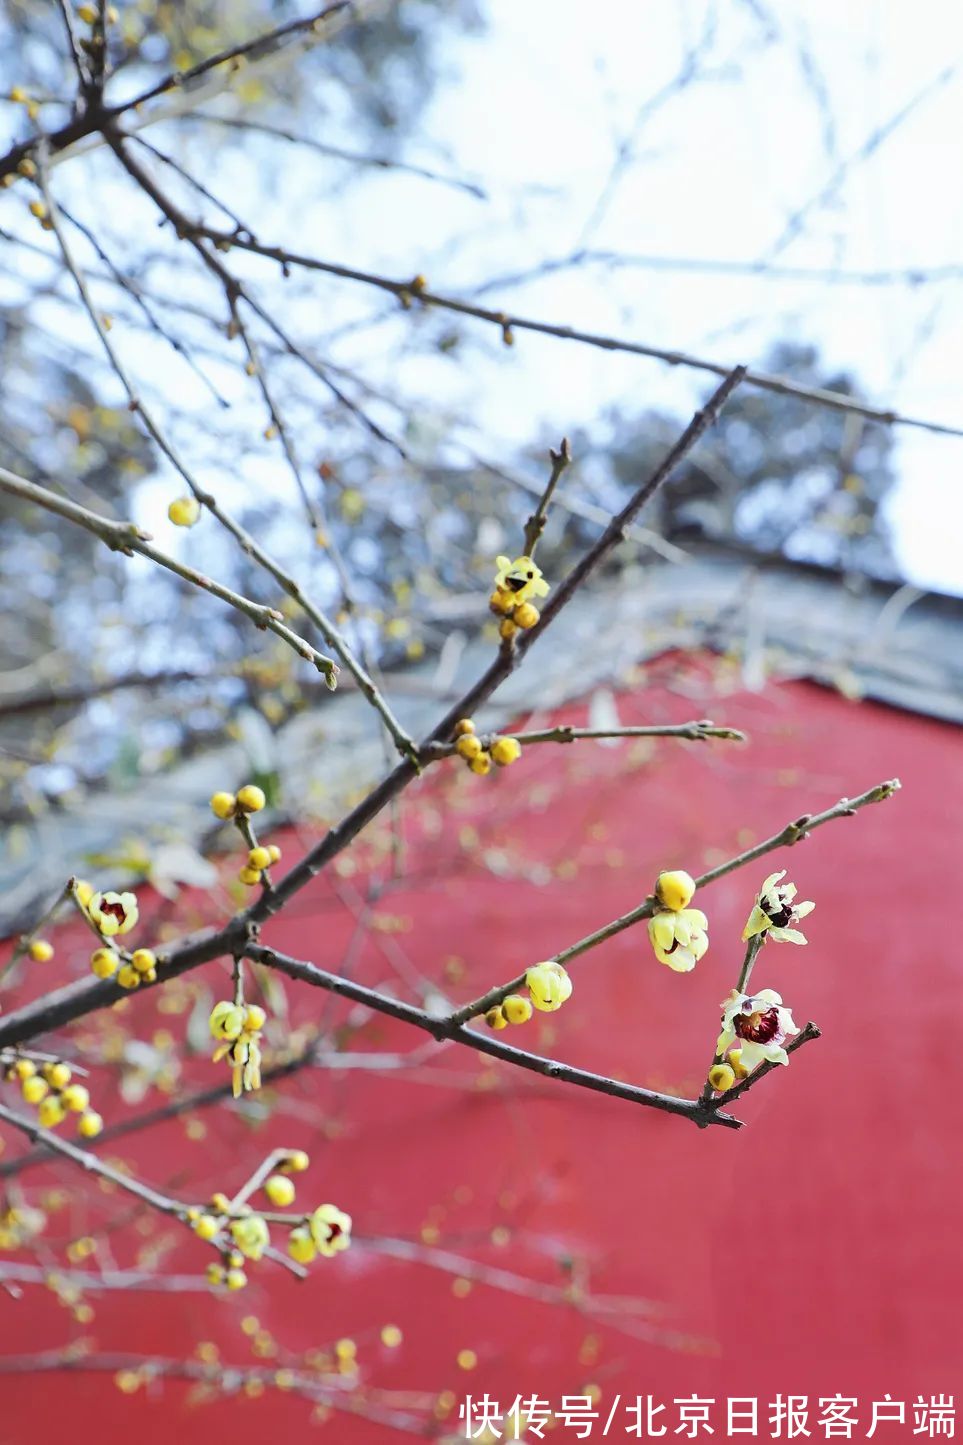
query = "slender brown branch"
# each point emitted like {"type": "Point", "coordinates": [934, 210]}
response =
{"type": "Point", "coordinates": [805, 1036]}
{"type": "Point", "coordinates": [535, 525]}
{"type": "Point", "coordinates": [447, 1029]}
{"type": "Point", "coordinates": [690, 731]}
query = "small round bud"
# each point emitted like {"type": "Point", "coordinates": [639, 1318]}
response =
{"type": "Point", "coordinates": [235, 1279]}
{"type": "Point", "coordinates": [41, 951]}
{"type": "Point", "coordinates": [279, 1190]}
{"type": "Point", "coordinates": [223, 804]}
{"type": "Point", "coordinates": [38, 209]}
{"type": "Point", "coordinates": [250, 798]}
{"type": "Point", "coordinates": [674, 890]}
{"type": "Point", "coordinates": [259, 858]}
{"type": "Point", "coordinates": [507, 629]}
{"type": "Point", "coordinates": [254, 1018]}
{"type": "Point", "coordinates": [143, 960]}
{"type": "Point", "coordinates": [75, 1098]}
{"type": "Point", "coordinates": [87, 14]}
{"type": "Point", "coordinates": [516, 1009]}
{"type": "Point", "coordinates": [127, 976]}
{"type": "Point", "coordinates": [104, 962]}
{"type": "Point", "coordinates": [215, 1273]}
{"type": "Point", "coordinates": [526, 616]}
{"type": "Point", "coordinates": [57, 1075]}
{"type": "Point", "coordinates": [301, 1246]}
{"type": "Point", "coordinates": [506, 751]}
{"type": "Point", "coordinates": [220, 1203]}
{"type": "Point", "coordinates": [24, 1069]}
{"type": "Point", "coordinates": [391, 1336]}
{"type": "Point", "coordinates": [481, 764]}
{"type": "Point", "coordinates": [501, 602]}
{"type": "Point", "coordinates": [275, 853]}
{"type": "Point", "coordinates": [206, 1227]}
{"type": "Point", "coordinates": [468, 747]}
{"type": "Point", "coordinates": [51, 1112]}
{"type": "Point", "coordinates": [721, 1077]}
{"type": "Point", "coordinates": [296, 1162]}
{"type": "Point", "coordinates": [83, 892]}
{"type": "Point", "coordinates": [495, 1019]}
{"type": "Point", "coordinates": [89, 1124]}
{"type": "Point", "coordinates": [734, 1059]}
{"type": "Point", "coordinates": [462, 726]}
{"type": "Point", "coordinates": [34, 1089]}
{"type": "Point", "coordinates": [249, 876]}
{"type": "Point", "coordinates": [184, 511]}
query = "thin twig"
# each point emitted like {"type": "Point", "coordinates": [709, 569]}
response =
{"type": "Point", "coordinates": [535, 525]}
{"type": "Point", "coordinates": [690, 731]}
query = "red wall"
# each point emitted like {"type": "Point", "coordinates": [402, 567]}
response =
{"type": "Point", "coordinates": [815, 1251]}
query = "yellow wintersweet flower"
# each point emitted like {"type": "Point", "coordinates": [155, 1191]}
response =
{"type": "Point", "coordinates": [548, 985]}
{"type": "Point", "coordinates": [251, 1235]}
{"type": "Point", "coordinates": [330, 1229]}
{"type": "Point", "coordinates": [674, 889]}
{"type": "Point", "coordinates": [226, 1020]}
{"type": "Point", "coordinates": [522, 579]}
{"type": "Point", "coordinates": [113, 912]}
{"type": "Point", "coordinates": [775, 912]}
{"type": "Point", "coordinates": [679, 939]}
{"type": "Point", "coordinates": [760, 1023]}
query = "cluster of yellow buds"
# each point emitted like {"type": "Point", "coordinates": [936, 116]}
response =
{"type": "Point", "coordinates": [140, 967]}
{"type": "Point", "coordinates": [676, 931]}
{"type": "Point", "coordinates": [516, 583]}
{"type": "Point", "coordinates": [249, 799]}
{"type": "Point", "coordinates": [732, 1070]}
{"type": "Point", "coordinates": [184, 511]}
{"type": "Point", "coordinates": [501, 751]}
{"type": "Point", "coordinates": [259, 859]}
{"type": "Point", "coordinates": [512, 1010]}
{"type": "Point", "coordinates": [239, 1027]}
{"type": "Point", "coordinates": [50, 1088]}
{"type": "Point", "coordinates": [548, 985]}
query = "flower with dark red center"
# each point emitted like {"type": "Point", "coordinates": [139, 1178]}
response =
{"type": "Point", "coordinates": [113, 912]}
{"type": "Point", "coordinates": [760, 1023]}
{"type": "Point", "coordinates": [330, 1229]}
{"type": "Point", "coordinates": [775, 912]}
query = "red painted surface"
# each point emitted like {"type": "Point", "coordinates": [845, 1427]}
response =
{"type": "Point", "coordinates": [816, 1251]}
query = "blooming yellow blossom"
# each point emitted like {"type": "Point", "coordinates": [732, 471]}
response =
{"type": "Point", "coordinates": [679, 939]}
{"type": "Point", "coordinates": [522, 579]}
{"type": "Point", "coordinates": [760, 1023]}
{"type": "Point", "coordinates": [775, 913]}
{"type": "Point", "coordinates": [330, 1229]}
{"type": "Point", "coordinates": [113, 912]}
{"type": "Point", "coordinates": [251, 1235]}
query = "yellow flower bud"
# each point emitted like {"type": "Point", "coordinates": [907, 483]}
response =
{"type": "Point", "coordinates": [127, 976]}
{"type": "Point", "coordinates": [296, 1162]}
{"type": "Point", "coordinates": [526, 616]}
{"type": "Point", "coordinates": [250, 798]}
{"type": "Point", "coordinates": [250, 876]}
{"type": "Point", "coordinates": [254, 1018]}
{"type": "Point", "coordinates": [222, 805]}
{"type": "Point", "coordinates": [184, 511]}
{"type": "Point", "coordinates": [506, 751]}
{"type": "Point", "coordinates": [734, 1059]}
{"type": "Point", "coordinates": [301, 1246]}
{"type": "Point", "coordinates": [83, 892]}
{"type": "Point", "coordinates": [259, 858]}
{"type": "Point", "coordinates": [75, 1098]}
{"type": "Point", "coordinates": [279, 1190]}
{"type": "Point", "coordinates": [220, 1203]}
{"type": "Point", "coordinates": [674, 890]}
{"type": "Point", "coordinates": [57, 1075]}
{"type": "Point", "coordinates": [35, 1089]}
{"type": "Point", "coordinates": [501, 602]}
{"type": "Point", "coordinates": [463, 726]}
{"type": "Point", "coordinates": [38, 209]}
{"type": "Point", "coordinates": [468, 747]}
{"type": "Point", "coordinates": [275, 853]}
{"type": "Point", "coordinates": [143, 960]}
{"type": "Point", "coordinates": [251, 1235]}
{"type": "Point", "coordinates": [206, 1227]}
{"type": "Point", "coordinates": [215, 1273]}
{"type": "Point", "coordinates": [235, 1279]}
{"type": "Point", "coordinates": [87, 14]}
{"type": "Point", "coordinates": [41, 951]}
{"type": "Point", "coordinates": [89, 1124]}
{"type": "Point", "coordinates": [516, 1009]}
{"type": "Point", "coordinates": [104, 962]}
{"type": "Point", "coordinates": [548, 985]}
{"type": "Point", "coordinates": [721, 1077]}
{"type": "Point", "coordinates": [495, 1019]}
{"type": "Point", "coordinates": [481, 764]}
{"type": "Point", "coordinates": [226, 1020]}
{"type": "Point", "coordinates": [24, 1069]}
{"type": "Point", "coordinates": [506, 629]}
{"type": "Point", "coordinates": [51, 1112]}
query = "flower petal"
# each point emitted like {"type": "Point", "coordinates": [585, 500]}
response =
{"type": "Point", "coordinates": [757, 923]}
{"type": "Point", "coordinates": [788, 935]}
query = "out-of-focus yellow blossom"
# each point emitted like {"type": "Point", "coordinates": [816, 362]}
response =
{"type": "Point", "coordinates": [521, 579]}
{"type": "Point", "coordinates": [41, 951]}
{"type": "Point", "coordinates": [330, 1229]}
{"type": "Point", "coordinates": [250, 798]}
{"type": "Point", "coordinates": [301, 1246]}
{"type": "Point", "coordinates": [223, 805]}
{"type": "Point", "coordinates": [251, 1235]}
{"type": "Point", "coordinates": [184, 511]}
